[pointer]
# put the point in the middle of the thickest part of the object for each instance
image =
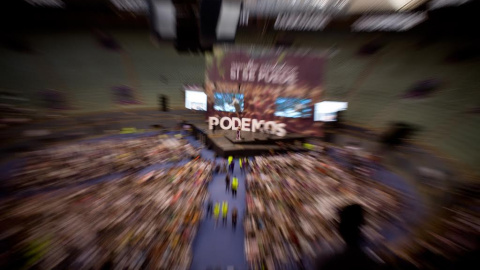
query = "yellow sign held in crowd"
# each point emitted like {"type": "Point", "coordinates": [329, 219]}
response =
{"type": "Point", "coordinates": [128, 130]}
{"type": "Point", "coordinates": [309, 146]}
{"type": "Point", "coordinates": [131, 130]}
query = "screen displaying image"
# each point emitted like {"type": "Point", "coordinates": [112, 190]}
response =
{"type": "Point", "coordinates": [228, 102]}
{"type": "Point", "coordinates": [293, 107]}
{"type": "Point", "coordinates": [326, 111]}
{"type": "Point", "coordinates": [195, 100]}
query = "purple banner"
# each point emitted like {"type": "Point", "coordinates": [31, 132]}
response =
{"type": "Point", "coordinates": [272, 85]}
{"type": "Point", "coordinates": [275, 68]}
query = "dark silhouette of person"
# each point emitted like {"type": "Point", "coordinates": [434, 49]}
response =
{"type": "Point", "coordinates": [234, 218]}
{"type": "Point", "coordinates": [352, 257]}
{"type": "Point", "coordinates": [214, 128]}
{"type": "Point", "coordinates": [209, 208]}
{"type": "Point", "coordinates": [163, 102]}
{"type": "Point", "coordinates": [232, 166]}
{"type": "Point", "coordinates": [227, 182]}
{"type": "Point", "coordinates": [108, 265]}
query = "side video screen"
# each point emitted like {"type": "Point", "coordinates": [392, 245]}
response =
{"type": "Point", "coordinates": [327, 111]}
{"type": "Point", "coordinates": [195, 100]}
{"type": "Point", "coordinates": [293, 107]}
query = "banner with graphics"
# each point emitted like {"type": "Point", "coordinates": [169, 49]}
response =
{"type": "Point", "coordinates": [269, 84]}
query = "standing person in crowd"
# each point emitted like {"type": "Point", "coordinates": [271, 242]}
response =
{"type": "Point", "coordinates": [234, 218]}
{"type": "Point", "coordinates": [209, 208]}
{"type": "Point", "coordinates": [227, 182]}
{"type": "Point", "coordinates": [234, 187]}
{"type": "Point", "coordinates": [216, 212]}
{"type": "Point", "coordinates": [239, 137]}
{"type": "Point", "coordinates": [232, 166]}
{"type": "Point", "coordinates": [215, 126]}
{"type": "Point", "coordinates": [224, 212]}
{"type": "Point", "coordinates": [223, 168]}
{"type": "Point", "coordinates": [240, 164]}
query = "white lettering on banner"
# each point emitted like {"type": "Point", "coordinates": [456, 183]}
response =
{"type": "Point", "coordinates": [236, 123]}
{"type": "Point", "coordinates": [246, 124]}
{"type": "Point", "coordinates": [281, 130]}
{"type": "Point", "coordinates": [268, 73]}
{"type": "Point", "coordinates": [256, 124]}
{"type": "Point", "coordinates": [234, 74]}
{"type": "Point", "coordinates": [269, 127]}
{"type": "Point", "coordinates": [212, 121]}
{"type": "Point", "coordinates": [278, 75]}
{"type": "Point", "coordinates": [222, 123]}
{"type": "Point", "coordinates": [233, 123]}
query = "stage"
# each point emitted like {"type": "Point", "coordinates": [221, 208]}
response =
{"type": "Point", "coordinates": [224, 143]}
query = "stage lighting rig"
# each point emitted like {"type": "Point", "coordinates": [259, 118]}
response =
{"type": "Point", "coordinates": [47, 3]}
{"type": "Point", "coordinates": [137, 6]}
{"type": "Point", "coordinates": [275, 7]}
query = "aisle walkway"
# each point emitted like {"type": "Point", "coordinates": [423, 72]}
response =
{"type": "Point", "coordinates": [221, 248]}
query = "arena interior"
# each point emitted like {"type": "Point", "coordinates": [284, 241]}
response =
{"type": "Point", "coordinates": [111, 157]}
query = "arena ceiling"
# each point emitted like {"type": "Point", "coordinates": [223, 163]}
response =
{"type": "Point", "coordinates": [290, 15]}
{"type": "Point", "coordinates": [257, 7]}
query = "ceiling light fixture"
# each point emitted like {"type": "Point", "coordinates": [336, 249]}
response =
{"type": "Point", "coordinates": [389, 22]}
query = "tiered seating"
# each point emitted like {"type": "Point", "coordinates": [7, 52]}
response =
{"type": "Point", "coordinates": [20, 73]}
{"type": "Point", "coordinates": [15, 109]}
{"type": "Point", "coordinates": [76, 64]}
{"type": "Point", "coordinates": [460, 140]}
{"type": "Point", "coordinates": [160, 69]}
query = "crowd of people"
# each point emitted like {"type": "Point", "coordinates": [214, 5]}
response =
{"type": "Point", "coordinates": [292, 203]}
{"type": "Point", "coordinates": [136, 222]}
{"type": "Point", "coordinates": [148, 221]}
{"type": "Point", "coordinates": [82, 161]}
{"type": "Point", "coordinates": [14, 110]}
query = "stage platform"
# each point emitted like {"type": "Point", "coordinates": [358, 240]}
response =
{"type": "Point", "coordinates": [224, 144]}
